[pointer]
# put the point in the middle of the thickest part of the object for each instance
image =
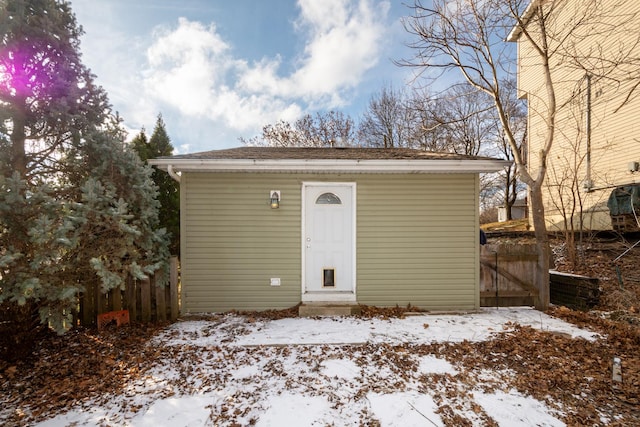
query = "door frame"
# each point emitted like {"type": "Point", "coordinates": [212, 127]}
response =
{"type": "Point", "coordinates": [328, 296]}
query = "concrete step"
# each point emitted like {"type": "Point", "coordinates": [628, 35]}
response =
{"type": "Point", "coordinates": [327, 309]}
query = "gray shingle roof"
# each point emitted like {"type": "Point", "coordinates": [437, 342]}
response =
{"type": "Point", "coordinates": [297, 153]}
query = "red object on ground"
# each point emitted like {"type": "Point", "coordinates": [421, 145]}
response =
{"type": "Point", "coordinates": [121, 317]}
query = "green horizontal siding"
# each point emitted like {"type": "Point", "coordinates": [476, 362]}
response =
{"type": "Point", "coordinates": [234, 242]}
{"type": "Point", "coordinates": [416, 240]}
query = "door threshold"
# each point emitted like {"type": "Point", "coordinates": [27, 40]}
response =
{"type": "Point", "coordinates": [345, 297]}
{"type": "Point", "coordinates": [323, 302]}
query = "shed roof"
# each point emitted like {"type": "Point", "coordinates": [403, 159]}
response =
{"type": "Point", "coordinates": [519, 203]}
{"type": "Point", "coordinates": [327, 160]}
{"type": "Point", "coordinates": [282, 153]}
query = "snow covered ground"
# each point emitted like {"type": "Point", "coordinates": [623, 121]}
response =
{"type": "Point", "coordinates": [346, 371]}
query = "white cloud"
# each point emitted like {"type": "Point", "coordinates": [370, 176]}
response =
{"type": "Point", "coordinates": [243, 111]}
{"type": "Point", "coordinates": [344, 41]}
{"type": "Point", "coordinates": [191, 67]}
{"type": "Point", "coordinates": [185, 65]}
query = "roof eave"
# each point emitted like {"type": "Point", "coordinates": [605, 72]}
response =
{"type": "Point", "coordinates": [516, 31]}
{"type": "Point", "coordinates": [332, 165]}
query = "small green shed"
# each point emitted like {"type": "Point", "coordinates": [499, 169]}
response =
{"type": "Point", "coordinates": [268, 228]}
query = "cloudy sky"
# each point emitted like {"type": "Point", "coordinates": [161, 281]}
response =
{"type": "Point", "coordinates": [218, 70]}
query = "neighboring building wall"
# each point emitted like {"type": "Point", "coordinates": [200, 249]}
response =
{"type": "Point", "coordinates": [417, 240]}
{"type": "Point", "coordinates": [518, 211]}
{"type": "Point", "coordinates": [614, 131]}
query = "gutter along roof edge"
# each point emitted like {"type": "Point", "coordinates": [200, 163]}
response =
{"type": "Point", "coordinates": [332, 165]}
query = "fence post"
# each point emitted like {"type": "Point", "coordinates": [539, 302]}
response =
{"type": "Point", "coordinates": [88, 307]}
{"type": "Point", "coordinates": [161, 303]}
{"type": "Point", "coordinates": [145, 299]}
{"type": "Point", "coordinates": [99, 302]}
{"type": "Point", "coordinates": [131, 300]}
{"type": "Point", "coordinates": [116, 298]}
{"type": "Point", "coordinates": [75, 312]}
{"type": "Point", "coordinates": [173, 287]}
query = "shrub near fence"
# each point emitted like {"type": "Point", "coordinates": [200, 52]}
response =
{"type": "Point", "coordinates": [145, 300]}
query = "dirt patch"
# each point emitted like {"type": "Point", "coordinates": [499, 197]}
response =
{"type": "Point", "coordinates": [71, 369]}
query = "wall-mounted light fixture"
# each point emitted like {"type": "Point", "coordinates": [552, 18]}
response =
{"type": "Point", "coordinates": [274, 199]}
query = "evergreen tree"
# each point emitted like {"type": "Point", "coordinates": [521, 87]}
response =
{"type": "Point", "coordinates": [77, 206]}
{"type": "Point", "coordinates": [46, 92]}
{"type": "Point", "coordinates": [104, 228]}
{"type": "Point", "coordinates": [117, 202]}
{"type": "Point", "coordinates": [169, 190]}
{"type": "Point", "coordinates": [140, 145]}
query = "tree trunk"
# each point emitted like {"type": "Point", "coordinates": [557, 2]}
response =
{"type": "Point", "coordinates": [543, 249]}
{"type": "Point", "coordinates": [508, 204]}
{"type": "Point", "coordinates": [20, 329]}
{"type": "Point", "coordinates": [18, 137]}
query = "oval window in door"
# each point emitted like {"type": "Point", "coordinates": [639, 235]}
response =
{"type": "Point", "coordinates": [328, 199]}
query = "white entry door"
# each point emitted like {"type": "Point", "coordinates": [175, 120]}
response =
{"type": "Point", "coordinates": [329, 242]}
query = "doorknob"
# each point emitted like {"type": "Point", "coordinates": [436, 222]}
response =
{"type": "Point", "coordinates": [308, 239]}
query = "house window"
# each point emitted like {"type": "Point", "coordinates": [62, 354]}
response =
{"type": "Point", "coordinates": [328, 199]}
{"type": "Point", "coordinates": [329, 278]}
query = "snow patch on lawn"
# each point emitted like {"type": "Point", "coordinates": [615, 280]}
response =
{"type": "Point", "coordinates": [340, 368]}
{"type": "Point", "coordinates": [434, 365]}
{"type": "Point", "coordinates": [296, 410]}
{"type": "Point", "coordinates": [321, 371]}
{"type": "Point", "coordinates": [422, 329]}
{"type": "Point", "coordinates": [514, 410]}
{"type": "Point", "coordinates": [184, 411]}
{"type": "Point", "coordinates": [404, 409]}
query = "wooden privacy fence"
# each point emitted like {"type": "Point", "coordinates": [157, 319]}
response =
{"type": "Point", "coordinates": [507, 275]}
{"type": "Point", "coordinates": [145, 300]}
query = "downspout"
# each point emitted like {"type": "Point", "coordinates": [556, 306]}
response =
{"type": "Point", "coordinates": [172, 173]}
{"type": "Point", "coordinates": [588, 185]}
